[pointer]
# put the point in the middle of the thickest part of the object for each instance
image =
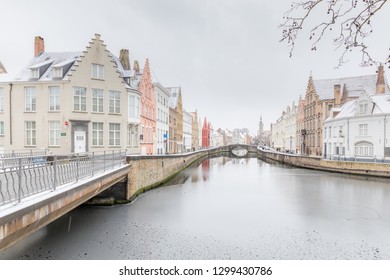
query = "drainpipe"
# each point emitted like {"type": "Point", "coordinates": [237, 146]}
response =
{"type": "Point", "coordinates": [384, 137]}
{"type": "Point", "coordinates": [10, 113]}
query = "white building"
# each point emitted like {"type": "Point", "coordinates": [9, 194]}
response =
{"type": "Point", "coordinates": [162, 118]}
{"type": "Point", "coordinates": [359, 130]}
{"type": "Point", "coordinates": [187, 131]}
{"type": "Point", "coordinates": [284, 130]}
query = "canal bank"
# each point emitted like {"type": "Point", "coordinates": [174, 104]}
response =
{"type": "Point", "coordinates": [228, 208]}
{"type": "Point", "coordinates": [373, 169]}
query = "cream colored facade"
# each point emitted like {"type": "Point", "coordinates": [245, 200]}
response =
{"type": "Point", "coordinates": [284, 131]}
{"type": "Point", "coordinates": [66, 102]}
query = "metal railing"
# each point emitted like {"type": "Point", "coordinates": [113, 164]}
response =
{"type": "Point", "coordinates": [25, 176]}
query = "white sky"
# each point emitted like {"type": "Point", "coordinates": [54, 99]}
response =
{"type": "Point", "coordinates": [225, 54]}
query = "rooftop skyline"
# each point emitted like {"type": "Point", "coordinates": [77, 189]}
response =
{"type": "Point", "coordinates": [225, 55]}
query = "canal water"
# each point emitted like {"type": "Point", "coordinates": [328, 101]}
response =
{"type": "Point", "coordinates": [229, 208]}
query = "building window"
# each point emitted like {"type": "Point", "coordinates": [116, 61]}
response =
{"type": "Point", "coordinates": [1, 100]}
{"type": "Point", "coordinates": [54, 133]}
{"type": "Point", "coordinates": [35, 73]}
{"type": "Point", "coordinates": [97, 100]}
{"type": "Point", "coordinates": [115, 102]}
{"type": "Point", "coordinates": [31, 133]}
{"type": "Point", "coordinates": [364, 149]}
{"type": "Point", "coordinates": [341, 131]}
{"type": "Point", "coordinates": [363, 108]}
{"type": "Point", "coordinates": [30, 99]}
{"type": "Point", "coordinates": [58, 72]}
{"type": "Point", "coordinates": [132, 135]}
{"type": "Point", "coordinates": [115, 134]}
{"type": "Point", "coordinates": [54, 98]}
{"type": "Point", "coordinates": [80, 99]}
{"type": "Point", "coordinates": [363, 129]}
{"type": "Point", "coordinates": [133, 106]}
{"type": "Point", "coordinates": [1, 128]}
{"type": "Point", "coordinates": [97, 71]}
{"type": "Point", "coordinates": [97, 134]}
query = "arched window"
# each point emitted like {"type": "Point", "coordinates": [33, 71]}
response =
{"type": "Point", "coordinates": [364, 149]}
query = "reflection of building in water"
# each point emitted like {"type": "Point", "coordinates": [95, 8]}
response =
{"type": "Point", "coordinates": [220, 160]}
{"type": "Point", "coordinates": [205, 169]}
{"type": "Point", "coordinates": [240, 160]}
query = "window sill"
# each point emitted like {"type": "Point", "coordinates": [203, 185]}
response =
{"type": "Point", "coordinates": [82, 112]}
{"type": "Point", "coordinates": [115, 114]}
{"type": "Point", "coordinates": [97, 113]}
{"type": "Point", "coordinates": [56, 111]}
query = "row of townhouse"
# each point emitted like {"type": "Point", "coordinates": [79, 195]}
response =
{"type": "Point", "coordinates": [76, 102]}
{"type": "Point", "coordinates": [343, 118]}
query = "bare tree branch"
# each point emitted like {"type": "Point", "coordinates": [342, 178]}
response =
{"type": "Point", "coordinates": [353, 17]}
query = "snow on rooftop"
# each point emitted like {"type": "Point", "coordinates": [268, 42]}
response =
{"type": "Point", "coordinates": [355, 85]}
{"type": "Point", "coordinates": [43, 59]}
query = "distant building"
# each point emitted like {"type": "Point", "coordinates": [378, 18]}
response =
{"type": "Point", "coordinates": [162, 96]}
{"type": "Point", "coordinates": [284, 131]}
{"type": "Point", "coordinates": [176, 122]}
{"type": "Point", "coordinates": [195, 131]}
{"type": "Point", "coordinates": [206, 134]}
{"type": "Point", "coordinates": [187, 131]}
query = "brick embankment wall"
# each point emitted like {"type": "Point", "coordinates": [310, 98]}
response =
{"type": "Point", "coordinates": [148, 172]}
{"type": "Point", "coordinates": [348, 167]}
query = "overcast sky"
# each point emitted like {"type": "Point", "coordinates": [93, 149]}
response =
{"type": "Point", "coordinates": [225, 54]}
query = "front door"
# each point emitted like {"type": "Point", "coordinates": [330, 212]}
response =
{"type": "Point", "coordinates": [80, 142]}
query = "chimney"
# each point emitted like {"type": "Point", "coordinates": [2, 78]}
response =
{"type": "Point", "coordinates": [337, 95]}
{"type": "Point", "coordinates": [124, 59]}
{"type": "Point", "coordinates": [136, 66]}
{"type": "Point", "coordinates": [380, 82]}
{"type": "Point", "coordinates": [39, 45]}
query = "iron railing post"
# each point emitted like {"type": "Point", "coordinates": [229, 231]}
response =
{"type": "Point", "coordinates": [20, 180]}
{"type": "Point", "coordinates": [113, 159]}
{"type": "Point", "coordinates": [104, 161]}
{"type": "Point", "coordinates": [77, 168]}
{"type": "Point", "coordinates": [93, 163]}
{"type": "Point", "coordinates": [55, 172]}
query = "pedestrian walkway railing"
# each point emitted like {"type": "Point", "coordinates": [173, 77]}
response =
{"type": "Point", "coordinates": [22, 177]}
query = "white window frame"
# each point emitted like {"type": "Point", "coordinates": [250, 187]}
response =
{"type": "Point", "coordinates": [80, 94]}
{"type": "Point", "coordinates": [54, 133]}
{"type": "Point", "coordinates": [1, 128]}
{"type": "Point", "coordinates": [114, 102]}
{"type": "Point", "coordinates": [30, 128]}
{"type": "Point", "coordinates": [30, 99]}
{"type": "Point", "coordinates": [363, 129]}
{"type": "Point", "coordinates": [97, 134]}
{"type": "Point", "coordinates": [98, 98]}
{"type": "Point", "coordinates": [97, 71]}
{"type": "Point", "coordinates": [114, 134]}
{"type": "Point", "coordinates": [364, 149]}
{"type": "Point", "coordinates": [35, 73]}
{"type": "Point", "coordinates": [54, 99]}
{"type": "Point", "coordinates": [1, 100]}
{"type": "Point", "coordinates": [58, 72]}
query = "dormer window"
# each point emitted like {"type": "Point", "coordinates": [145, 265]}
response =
{"type": "Point", "coordinates": [363, 109]}
{"type": "Point", "coordinates": [58, 73]}
{"type": "Point", "coordinates": [35, 73]}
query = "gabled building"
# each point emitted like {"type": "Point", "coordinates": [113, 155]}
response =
{"type": "Point", "coordinates": [142, 81]}
{"type": "Point", "coordinates": [187, 131]}
{"type": "Point", "coordinates": [206, 134]}
{"type": "Point", "coordinates": [133, 102]}
{"type": "Point", "coordinates": [66, 102]}
{"type": "Point", "coordinates": [323, 95]}
{"type": "Point", "coordinates": [176, 104]}
{"type": "Point", "coordinates": [195, 131]}
{"type": "Point", "coordinates": [359, 130]}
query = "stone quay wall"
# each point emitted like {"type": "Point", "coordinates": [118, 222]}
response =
{"type": "Point", "coordinates": [317, 163]}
